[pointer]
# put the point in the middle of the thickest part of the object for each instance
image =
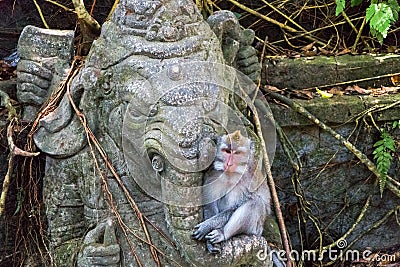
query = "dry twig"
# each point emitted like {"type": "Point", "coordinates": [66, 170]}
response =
{"type": "Point", "coordinates": [281, 25]}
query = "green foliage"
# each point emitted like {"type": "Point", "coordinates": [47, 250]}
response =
{"type": "Point", "coordinates": [380, 15]}
{"type": "Point", "coordinates": [237, 15]}
{"type": "Point", "coordinates": [396, 124]}
{"type": "Point", "coordinates": [20, 199]}
{"type": "Point", "coordinates": [383, 156]}
{"type": "Point", "coordinates": [355, 2]}
{"type": "Point", "coordinates": [340, 5]}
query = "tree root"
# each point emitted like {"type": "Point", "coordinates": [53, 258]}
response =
{"type": "Point", "coordinates": [14, 150]}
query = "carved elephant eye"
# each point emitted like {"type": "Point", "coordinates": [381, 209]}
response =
{"type": "Point", "coordinates": [106, 84]}
{"type": "Point", "coordinates": [107, 89]}
{"type": "Point", "coordinates": [153, 110]}
{"type": "Point", "coordinates": [157, 162]}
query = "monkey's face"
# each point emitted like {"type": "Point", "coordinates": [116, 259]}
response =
{"type": "Point", "coordinates": [233, 154]}
{"type": "Point", "coordinates": [232, 159]}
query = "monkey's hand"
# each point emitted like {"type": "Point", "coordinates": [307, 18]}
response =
{"type": "Point", "coordinates": [216, 236]}
{"type": "Point", "coordinates": [215, 222]}
{"type": "Point", "coordinates": [202, 229]}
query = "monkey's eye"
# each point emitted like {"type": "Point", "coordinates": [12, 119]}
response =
{"type": "Point", "coordinates": [226, 150]}
{"type": "Point", "coordinates": [237, 152]}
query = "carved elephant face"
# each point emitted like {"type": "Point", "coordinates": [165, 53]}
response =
{"type": "Point", "coordinates": [185, 107]}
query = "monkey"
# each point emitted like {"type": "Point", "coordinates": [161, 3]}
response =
{"type": "Point", "coordinates": [236, 198]}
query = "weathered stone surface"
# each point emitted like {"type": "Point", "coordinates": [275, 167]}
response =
{"type": "Point", "coordinates": [38, 44]}
{"type": "Point", "coordinates": [337, 110]}
{"type": "Point", "coordinates": [321, 70]}
{"type": "Point", "coordinates": [45, 56]}
{"type": "Point", "coordinates": [138, 71]}
{"type": "Point", "coordinates": [332, 179]}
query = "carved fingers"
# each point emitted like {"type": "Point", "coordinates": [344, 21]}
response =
{"type": "Point", "coordinates": [33, 81]}
{"type": "Point", "coordinates": [247, 62]}
{"type": "Point", "coordinates": [100, 247]}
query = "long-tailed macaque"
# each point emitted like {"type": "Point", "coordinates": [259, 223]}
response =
{"type": "Point", "coordinates": [236, 197]}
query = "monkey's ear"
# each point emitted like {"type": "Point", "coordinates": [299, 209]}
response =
{"type": "Point", "coordinates": [219, 140]}
{"type": "Point", "coordinates": [252, 146]}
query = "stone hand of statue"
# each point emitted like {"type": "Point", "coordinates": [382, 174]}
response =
{"type": "Point", "coordinates": [246, 58]}
{"type": "Point", "coordinates": [100, 247]}
{"type": "Point", "coordinates": [247, 62]}
{"type": "Point", "coordinates": [33, 82]}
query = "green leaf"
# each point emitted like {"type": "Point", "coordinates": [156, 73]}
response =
{"type": "Point", "coordinates": [380, 38]}
{"type": "Point", "coordinates": [394, 5]}
{"type": "Point", "coordinates": [380, 159]}
{"type": "Point", "coordinates": [371, 11]}
{"type": "Point", "coordinates": [388, 141]}
{"type": "Point", "coordinates": [388, 156]}
{"type": "Point", "coordinates": [340, 5]}
{"type": "Point", "coordinates": [378, 150]}
{"type": "Point", "coordinates": [323, 94]}
{"type": "Point", "coordinates": [379, 143]}
{"type": "Point", "coordinates": [380, 16]}
{"type": "Point", "coordinates": [385, 164]}
{"type": "Point", "coordinates": [383, 154]}
{"type": "Point", "coordinates": [20, 199]}
{"type": "Point", "coordinates": [237, 15]}
{"type": "Point", "coordinates": [390, 146]}
{"type": "Point", "coordinates": [395, 124]}
{"type": "Point", "coordinates": [355, 2]}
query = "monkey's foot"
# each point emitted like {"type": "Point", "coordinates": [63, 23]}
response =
{"type": "Point", "coordinates": [213, 248]}
{"type": "Point", "coordinates": [215, 236]}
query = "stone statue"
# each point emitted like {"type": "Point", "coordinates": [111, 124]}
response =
{"type": "Point", "coordinates": [144, 98]}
